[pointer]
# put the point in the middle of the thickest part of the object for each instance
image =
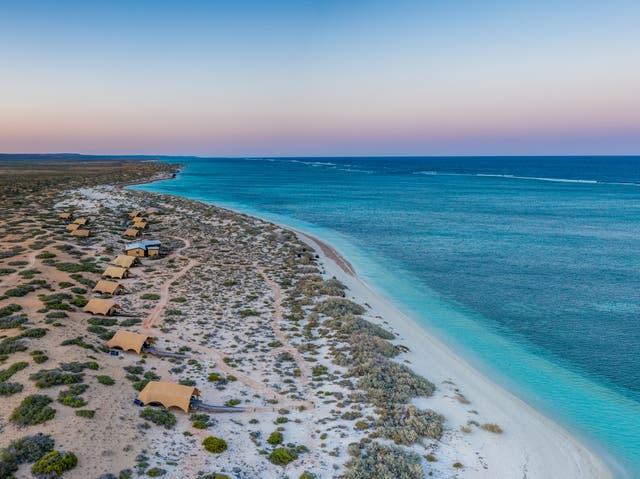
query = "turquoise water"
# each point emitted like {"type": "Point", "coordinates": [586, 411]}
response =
{"type": "Point", "coordinates": [526, 266]}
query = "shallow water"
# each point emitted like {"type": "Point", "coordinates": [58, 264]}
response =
{"type": "Point", "coordinates": [527, 266]}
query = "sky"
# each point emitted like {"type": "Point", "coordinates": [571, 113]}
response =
{"type": "Point", "coordinates": [320, 78]}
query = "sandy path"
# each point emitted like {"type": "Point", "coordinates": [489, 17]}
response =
{"type": "Point", "coordinates": [9, 280]}
{"type": "Point", "coordinates": [157, 311]}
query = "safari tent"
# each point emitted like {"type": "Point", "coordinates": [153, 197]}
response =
{"type": "Point", "coordinates": [115, 272]}
{"type": "Point", "coordinates": [81, 221]}
{"type": "Point", "coordinates": [131, 233]}
{"type": "Point", "coordinates": [101, 306]}
{"type": "Point", "coordinates": [82, 233]}
{"type": "Point", "coordinates": [125, 261]}
{"type": "Point", "coordinates": [128, 341]}
{"type": "Point", "coordinates": [134, 214]}
{"type": "Point", "coordinates": [73, 227]}
{"type": "Point", "coordinates": [108, 287]}
{"type": "Point", "coordinates": [65, 215]}
{"type": "Point", "coordinates": [140, 225]}
{"type": "Point", "coordinates": [168, 394]}
{"type": "Point", "coordinates": [143, 248]}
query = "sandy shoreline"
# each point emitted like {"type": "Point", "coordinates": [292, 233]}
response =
{"type": "Point", "coordinates": [532, 446]}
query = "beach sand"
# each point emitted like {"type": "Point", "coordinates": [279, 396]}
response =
{"type": "Point", "coordinates": [531, 446]}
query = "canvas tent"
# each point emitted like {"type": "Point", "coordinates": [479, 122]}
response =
{"type": "Point", "coordinates": [81, 233]}
{"type": "Point", "coordinates": [168, 394]}
{"type": "Point", "coordinates": [73, 227]}
{"type": "Point", "coordinates": [108, 287]}
{"type": "Point", "coordinates": [128, 341]}
{"type": "Point", "coordinates": [134, 214]}
{"type": "Point", "coordinates": [65, 216]}
{"type": "Point", "coordinates": [115, 272]}
{"type": "Point", "coordinates": [140, 225]}
{"type": "Point", "coordinates": [125, 261]}
{"type": "Point", "coordinates": [81, 221]}
{"type": "Point", "coordinates": [143, 248]}
{"type": "Point", "coordinates": [131, 233]}
{"type": "Point", "coordinates": [101, 306]}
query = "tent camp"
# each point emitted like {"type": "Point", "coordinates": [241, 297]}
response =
{"type": "Point", "coordinates": [131, 233]}
{"type": "Point", "coordinates": [73, 227]}
{"type": "Point", "coordinates": [134, 214]}
{"type": "Point", "coordinates": [115, 272]}
{"type": "Point", "coordinates": [128, 341]}
{"type": "Point", "coordinates": [125, 261]}
{"type": "Point", "coordinates": [81, 221]}
{"type": "Point", "coordinates": [65, 216]}
{"type": "Point", "coordinates": [168, 394]}
{"type": "Point", "coordinates": [108, 287]}
{"type": "Point", "coordinates": [81, 233]}
{"type": "Point", "coordinates": [101, 306]}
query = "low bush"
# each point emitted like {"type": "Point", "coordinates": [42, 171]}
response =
{"type": "Point", "coordinates": [492, 427]}
{"type": "Point", "coordinates": [335, 307]}
{"type": "Point", "coordinates": [11, 322]}
{"type": "Point", "coordinates": [102, 321]}
{"type": "Point", "coordinates": [47, 378]}
{"type": "Point", "coordinates": [408, 425]}
{"type": "Point", "coordinates": [19, 291]}
{"type": "Point", "coordinates": [159, 417]}
{"type": "Point", "coordinates": [275, 438]}
{"type": "Point", "coordinates": [54, 464]}
{"type": "Point", "coordinates": [33, 410]}
{"type": "Point", "coordinates": [11, 370]}
{"type": "Point", "coordinates": [9, 389]}
{"type": "Point", "coordinates": [384, 462]}
{"type": "Point", "coordinates": [283, 455]}
{"type": "Point", "coordinates": [200, 421]}
{"type": "Point", "coordinates": [25, 450]}
{"type": "Point", "coordinates": [86, 413]}
{"type": "Point", "coordinates": [71, 397]}
{"type": "Point", "coordinates": [215, 445]}
{"type": "Point", "coordinates": [156, 472]}
{"type": "Point", "coordinates": [150, 296]}
{"type": "Point", "coordinates": [106, 380]}
{"type": "Point", "coordinates": [9, 309]}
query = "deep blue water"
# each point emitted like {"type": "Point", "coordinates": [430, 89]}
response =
{"type": "Point", "coordinates": [530, 267]}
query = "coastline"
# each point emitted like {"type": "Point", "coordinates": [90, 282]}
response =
{"type": "Point", "coordinates": [532, 445]}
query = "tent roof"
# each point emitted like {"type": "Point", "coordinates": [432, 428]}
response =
{"type": "Point", "coordinates": [81, 221]}
{"type": "Point", "coordinates": [124, 261]}
{"type": "Point", "coordinates": [79, 232]}
{"type": "Point", "coordinates": [115, 272]}
{"type": "Point", "coordinates": [64, 215]}
{"type": "Point", "coordinates": [168, 394]}
{"type": "Point", "coordinates": [140, 224]}
{"type": "Point", "coordinates": [133, 214]}
{"type": "Point", "coordinates": [105, 286]}
{"type": "Point", "coordinates": [73, 226]}
{"type": "Point", "coordinates": [100, 306]}
{"type": "Point", "coordinates": [128, 341]}
{"type": "Point", "coordinates": [142, 244]}
{"type": "Point", "coordinates": [131, 232]}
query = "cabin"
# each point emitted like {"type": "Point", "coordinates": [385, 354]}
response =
{"type": "Point", "coordinates": [81, 233]}
{"type": "Point", "coordinates": [81, 221]}
{"type": "Point", "coordinates": [140, 225]}
{"type": "Point", "coordinates": [102, 307]}
{"type": "Point", "coordinates": [65, 216]}
{"type": "Point", "coordinates": [143, 248]}
{"type": "Point", "coordinates": [128, 341]}
{"type": "Point", "coordinates": [108, 287]}
{"type": "Point", "coordinates": [72, 227]}
{"type": "Point", "coordinates": [115, 272]}
{"type": "Point", "coordinates": [169, 395]}
{"type": "Point", "coordinates": [134, 214]}
{"type": "Point", "coordinates": [131, 233]}
{"type": "Point", "coordinates": [125, 261]}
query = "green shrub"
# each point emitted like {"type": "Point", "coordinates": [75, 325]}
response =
{"type": "Point", "coordinates": [9, 309]}
{"type": "Point", "coordinates": [335, 307]}
{"type": "Point", "coordinates": [54, 464]}
{"type": "Point", "coordinates": [102, 321]}
{"type": "Point", "coordinates": [47, 378]}
{"type": "Point", "coordinates": [20, 290]}
{"type": "Point", "coordinates": [40, 358]}
{"type": "Point", "coordinates": [283, 455]}
{"type": "Point", "coordinates": [156, 472]}
{"type": "Point", "coordinates": [46, 255]}
{"type": "Point", "coordinates": [79, 301]}
{"type": "Point", "coordinates": [159, 417]}
{"type": "Point", "coordinates": [150, 296]}
{"type": "Point", "coordinates": [106, 380]}
{"type": "Point", "coordinates": [11, 322]}
{"type": "Point", "coordinates": [275, 438]}
{"type": "Point", "coordinates": [12, 345]}
{"type": "Point", "coordinates": [71, 397]}
{"type": "Point", "coordinates": [232, 402]}
{"type": "Point", "coordinates": [9, 389]}
{"type": "Point", "coordinates": [215, 445]}
{"type": "Point", "coordinates": [33, 410]}
{"type": "Point", "coordinates": [86, 413]}
{"type": "Point", "coordinates": [200, 421]}
{"type": "Point", "coordinates": [406, 424]}
{"type": "Point", "coordinates": [25, 450]}
{"type": "Point", "coordinates": [11, 370]}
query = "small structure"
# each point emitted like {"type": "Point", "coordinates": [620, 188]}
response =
{"type": "Point", "coordinates": [81, 221]}
{"type": "Point", "coordinates": [108, 287]}
{"type": "Point", "coordinates": [115, 272]}
{"type": "Point", "coordinates": [143, 248]}
{"type": "Point", "coordinates": [140, 225]}
{"type": "Point", "coordinates": [81, 233]}
{"type": "Point", "coordinates": [169, 395]}
{"type": "Point", "coordinates": [103, 307]}
{"type": "Point", "coordinates": [65, 215]}
{"type": "Point", "coordinates": [131, 233]}
{"type": "Point", "coordinates": [134, 214]}
{"type": "Point", "coordinates": [128, 341]}
{"type": "Point", "coordinates": [73, 227]}
{"type": "Point", "coordinates": [125, 261]}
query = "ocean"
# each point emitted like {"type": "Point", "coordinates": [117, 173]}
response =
{"type": "Point", "coordinates": [529, 267]}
